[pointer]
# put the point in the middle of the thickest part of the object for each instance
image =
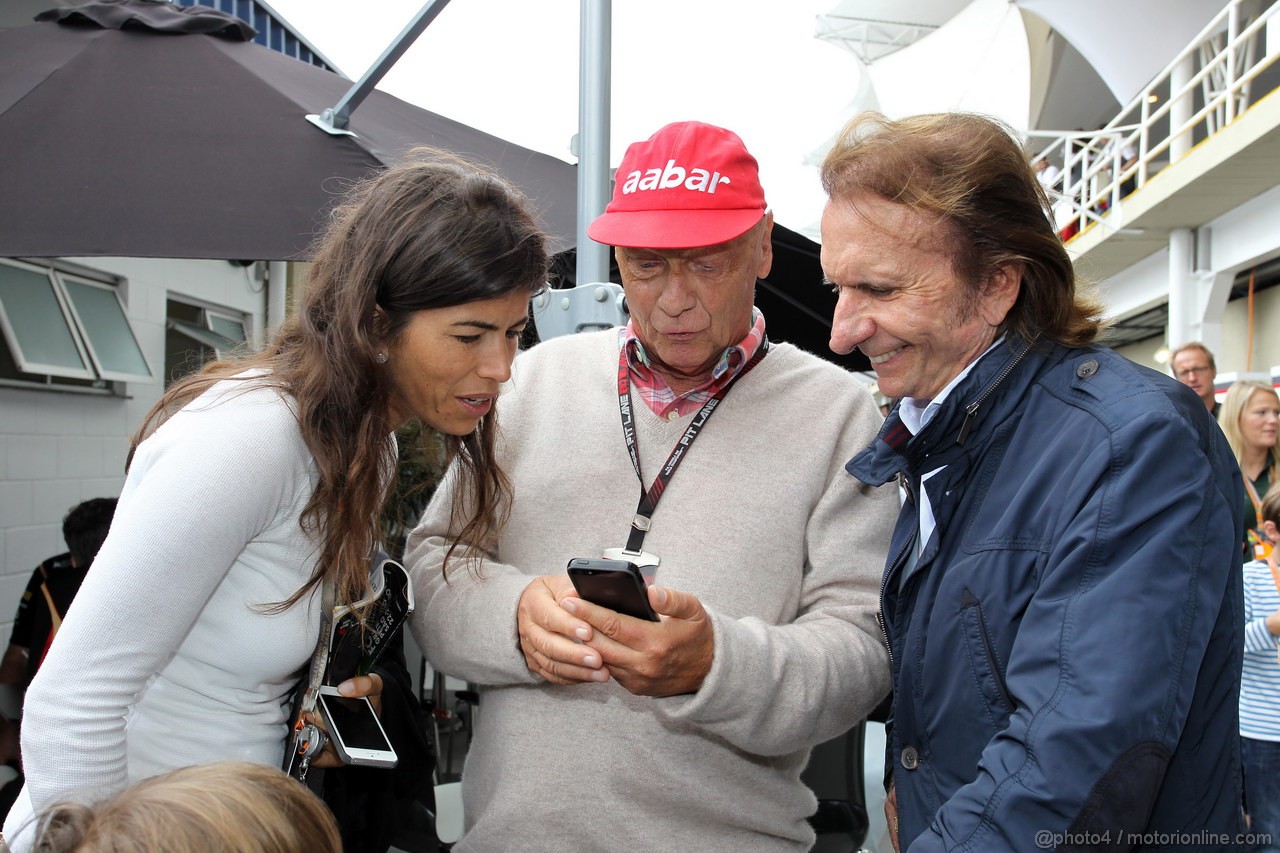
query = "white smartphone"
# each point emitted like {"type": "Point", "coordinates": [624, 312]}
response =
{"type": "Point", "coordinates": [355, 730]}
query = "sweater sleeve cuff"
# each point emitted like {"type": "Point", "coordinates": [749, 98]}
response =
{"type": "Point", "coordinates": [475, 636]}
{"type": "Point", "coordinates": [502, 595]}
{"type": "Point", "coordinates": [712, 701]}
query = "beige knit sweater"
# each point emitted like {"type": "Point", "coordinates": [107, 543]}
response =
{"type": "Point", "coordinates": [761, 522]}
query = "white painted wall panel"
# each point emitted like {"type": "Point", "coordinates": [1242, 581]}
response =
{"type": "Point", "coordinates": [1143, 285]}
{"type": "Point", "coordinates": [57, 449]}
{"type": "Point", "coordinates": [27, 546]}
{"type": "Point", "coordinates": [1247, 235]}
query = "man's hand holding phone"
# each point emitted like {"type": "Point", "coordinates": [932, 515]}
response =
{"type": "Point", "coordinates": [567, 639]}
{"type": "Point", "coordinates": [551, 639]}
{"type": "Point", "coordinates": [665, 658]}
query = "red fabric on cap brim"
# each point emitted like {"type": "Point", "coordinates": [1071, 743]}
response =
{"type": "Point", "coordinates": [672, 229]}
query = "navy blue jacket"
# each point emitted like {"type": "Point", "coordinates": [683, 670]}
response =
{"type": "Point", "coordinates": [1066, 651]}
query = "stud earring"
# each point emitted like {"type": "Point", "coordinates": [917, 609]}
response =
{"type": "Point", "coordinates": [382, 358]}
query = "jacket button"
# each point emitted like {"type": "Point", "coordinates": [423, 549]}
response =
{"type": "Point", "coordinates": [910, 759]}
{"type": "Point", "coordinates": [1087, 369]}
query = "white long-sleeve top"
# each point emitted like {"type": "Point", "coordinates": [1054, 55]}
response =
{"type": "Point", "coordinates": [761, 522]}
{"type": "Point", "coordinates": [166, 658]}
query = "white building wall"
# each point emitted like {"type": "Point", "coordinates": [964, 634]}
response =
{"type": "Point", "coordinates": [1240, 239]}
{"type": "Point", "coordinates": [1235, 353]}
{"type": "Point", "coordinates": [1231, 355]}
{"type": "Point", "coordinates": [1143, 285]}
{"type": "Point", "coordinates": [57, 448]}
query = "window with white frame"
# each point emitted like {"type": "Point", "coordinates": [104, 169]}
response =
{"type": "Point", "coordinates": [195, 335]}
{"type": "Point", "coordinates": [64, 327]}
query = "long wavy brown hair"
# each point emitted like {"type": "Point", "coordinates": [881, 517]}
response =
{"type": "Point", "coordinates": [431, 232]}
{"type": "Point", "coordinates": [968, 173]}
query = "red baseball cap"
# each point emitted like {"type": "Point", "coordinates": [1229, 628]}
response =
{"type": "Point", "coordinates": [690, 184]}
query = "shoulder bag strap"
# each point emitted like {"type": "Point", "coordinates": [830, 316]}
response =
{"type": "Point", "coordinates": [304, 739]}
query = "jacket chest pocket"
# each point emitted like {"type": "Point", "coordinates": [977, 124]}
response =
{"type": "Point", "coordinates": [960, 646]}
{"type": "Point", "coordinates": [984, 664]}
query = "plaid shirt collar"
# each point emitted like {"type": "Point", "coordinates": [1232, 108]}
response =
{"type": "Point", "coordinates": [655, 391]}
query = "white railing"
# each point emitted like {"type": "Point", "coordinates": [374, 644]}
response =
{"type": "Point", "coordinates": [1101, 167]}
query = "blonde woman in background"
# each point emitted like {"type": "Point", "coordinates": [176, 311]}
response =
{"type": "Point", "coordinates": [1250, 418]}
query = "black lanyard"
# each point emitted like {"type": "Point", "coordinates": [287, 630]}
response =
{"type": "Point", "coordinates": [649, 497]}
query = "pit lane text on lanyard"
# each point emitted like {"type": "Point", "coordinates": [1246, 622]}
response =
{"type": "Point", "coordinates": [649, 498]}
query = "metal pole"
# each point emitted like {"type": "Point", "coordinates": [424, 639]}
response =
{"type": "Point", "coordinates": [336, 119]}
{"type": "Point", "coordinates": [277, 297]}
{"type": "Point", "coordinates": [1182, 289]}
{"type": "Point", "coordinates": [593, 134]}
{"type": "Point", "coordinates": [1183, 106]}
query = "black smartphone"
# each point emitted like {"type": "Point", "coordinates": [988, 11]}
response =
{"type": "Point", "coordinates": [615, 584]}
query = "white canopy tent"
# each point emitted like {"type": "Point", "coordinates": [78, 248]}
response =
{"type": "Point", "coordinates": [1033, 63]}
{"type": "Point", "coordinates": [978, 61]}
{"type": "Point", "coordinates": [875, 28]}
{"type": "Point", "coordinates": [1126, 43]}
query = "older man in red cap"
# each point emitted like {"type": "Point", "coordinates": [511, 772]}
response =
{"type": "Point", "coordinates": [600, 730]}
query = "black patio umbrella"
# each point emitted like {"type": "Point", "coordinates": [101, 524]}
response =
{"type": "Point", "coordinates": [796, 304]}
{"type": "Point", "coordinates": [141, 129]}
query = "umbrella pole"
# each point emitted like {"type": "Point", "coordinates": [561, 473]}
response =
{"type": "Point", "coordinates": [595, 302]}
{"type": "Point", "coordinates": [593, 139]}
{"type": "Point", "coordinates": [336, 119]}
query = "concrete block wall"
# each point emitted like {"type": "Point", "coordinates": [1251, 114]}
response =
{"type": "Point", "coordinates": [57, 449]}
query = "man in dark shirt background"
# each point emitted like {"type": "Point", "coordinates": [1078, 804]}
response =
{"type": "Point", "coordinates": [53, 585]}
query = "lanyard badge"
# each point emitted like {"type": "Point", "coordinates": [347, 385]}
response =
{"type": "Point", "coordinates": [645, 561]}
{"type": "Point", "coordinates": [643, 519]}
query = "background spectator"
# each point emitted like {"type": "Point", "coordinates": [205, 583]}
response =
{"type": "Point", "coordinates": [53, 585]}
{"type": "Point", "coordinates": [1048, 174]}
{"type": "Point", "coordinates": [1260, 685]}
{"type": "Point", "coordinates": [1249, 418]}
{"type": "Point", "coordinates": [1193, 365]}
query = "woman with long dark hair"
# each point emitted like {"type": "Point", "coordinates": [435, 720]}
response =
{"type": "Point", "coordinates": [258, 478]}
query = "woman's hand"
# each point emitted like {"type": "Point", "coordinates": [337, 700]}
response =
{"type": "Point", "coordinates": [364, 685]}
{"type": "Point", "coordinates": [369, 686]}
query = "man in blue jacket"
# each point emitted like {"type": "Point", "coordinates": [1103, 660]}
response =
{"type": "Point", "coordinates": [1062, 601]}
